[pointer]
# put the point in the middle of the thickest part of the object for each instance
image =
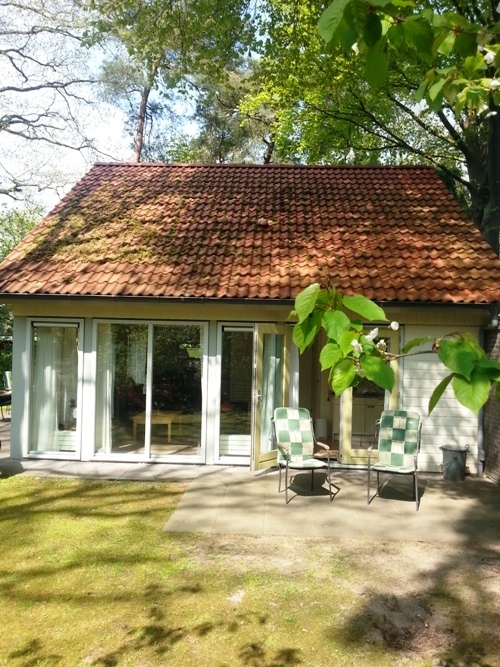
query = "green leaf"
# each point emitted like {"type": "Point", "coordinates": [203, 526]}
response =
{"type": "Point", "coordinates": [349, 38]}
{"type": "Point", "coordinates": [472, 393]}
{"type": "Point", "coordinates": [435, 93]}
{"type": "Point", "coordinates": [306, 301]}
{"type": "Point", "coordinates": [444, 43]}
{"type": "Point", "coordinates": [345, 341]}
{"type": "Point", "coordinates": [415, 342]}
{"type": "Point", "coordinates": [474, 63]}
{"type": "Point", "coordinates": [377, 64]}
{"type": "Point", "coordinates": [355, 15]}
{"type": "Point", "coordinates": [459, 355]}
{"type": "Point", "coordinates": [372, 29]}
{"type": "Point", "coordinates": [357, 325]}
{"type": "Point", "coordinates": [362, 306]}
{"type": "Point", "coordinates": [491, 368]}
{"type": "Point", "coordinates": [305, 332]}
{"type": "Point", "coordinates": [329, 355]}
{"type": "Point", "coordinates": [336, 323]}
{"type": "Point", "coordinates": [396, 35]}
{"type": "Point", "coordinates": [323, 299]}
{"type": "Point", "coordinates": [330, 20]}
{"type": "Point", "coordinates": [342, 376]}
{"type": "Point", "coordinates": [439, 391]}
{"type": "Point", "coordinates": [419, 34]}
{"type": "Point", "coordinates": [465, 44]}
{"type": "Point", "coordinates": [378, 371]}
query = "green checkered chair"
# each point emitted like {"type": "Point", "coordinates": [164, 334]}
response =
{"type": "Point", "coordinates": [397, 434]}
{"type": "Point", "coordinates": [295, 440]}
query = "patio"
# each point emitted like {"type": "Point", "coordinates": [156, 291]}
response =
{"type": "Point", "coordinates": [233, 500]}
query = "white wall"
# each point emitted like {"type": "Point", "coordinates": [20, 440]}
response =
{"type": "Point", "coordinates": [450, 423]}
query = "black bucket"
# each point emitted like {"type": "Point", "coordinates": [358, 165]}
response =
{"type": "Point", "coordinates": [454, 457]}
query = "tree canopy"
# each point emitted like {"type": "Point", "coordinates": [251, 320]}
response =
{"type": "Point", "coordinates": [43, 91]}
{"type": "Point", "coordinates": [456, 47]}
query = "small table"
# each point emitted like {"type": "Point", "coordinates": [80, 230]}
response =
{"type": "Point", "coordinates": [156, 418]}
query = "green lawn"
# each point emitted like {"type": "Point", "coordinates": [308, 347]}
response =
{"type": "Point", "coordinates": [89, 578]}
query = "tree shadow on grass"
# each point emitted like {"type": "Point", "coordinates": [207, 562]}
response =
{"type": "Point", "coordinates": [448, 611]}
{"type": "Point", "coordinates": [32, 654]}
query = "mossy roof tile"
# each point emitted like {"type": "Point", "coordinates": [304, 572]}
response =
{"type": "Point", "coordinates": [255, 232]}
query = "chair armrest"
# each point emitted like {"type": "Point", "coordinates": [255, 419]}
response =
{"type": "Point", "coordinates": [323, 445]}
{"type": "Point", "coordinates": [284, 449]}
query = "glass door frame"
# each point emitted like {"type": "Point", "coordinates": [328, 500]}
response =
{"type": "Point", "coordinates": [71, 323]}
{"type": "Point", "coordinates": [170, 458]}
{"type": "Point", "coordinates": [267, 459]}
{"type": "Point", "coordinates": [232, 326]}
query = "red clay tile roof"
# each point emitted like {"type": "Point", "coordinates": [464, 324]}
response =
{"type": "Point", "coordinates": [256, 232]}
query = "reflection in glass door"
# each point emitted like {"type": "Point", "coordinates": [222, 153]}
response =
{"type": "Point", "coordinates": [235, 426]}
{"type": "Point", "coordinates": [54, 395]}
{"type": "Point", "coordinates": [272, 384]}
{"type": "Point", "coordinates": [176, 409]}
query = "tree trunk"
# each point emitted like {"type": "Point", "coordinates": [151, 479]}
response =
{"type": "Point", "coordinates": [270, 144]}
{"type": "Point", "coordinates": [143, 108]}
{"type": "Point", "coordinates": [141, 123]}
{"type": "Point", "coordinates": [491, 220]}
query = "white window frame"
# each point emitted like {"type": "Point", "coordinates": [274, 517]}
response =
{"type": "Point", "coordinates": [66, 322]}
{"type": "Point", "coordinates": [147, 457]}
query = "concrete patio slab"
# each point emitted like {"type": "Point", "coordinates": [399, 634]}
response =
{"type": "Point", "coordinates": [233, 500]}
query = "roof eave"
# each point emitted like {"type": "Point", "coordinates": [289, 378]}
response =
{"type": "Point", "coordinates": [6, 297]}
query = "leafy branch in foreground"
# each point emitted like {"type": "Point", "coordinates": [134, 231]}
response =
{"type": "Point", "coordinates": [352, 353]}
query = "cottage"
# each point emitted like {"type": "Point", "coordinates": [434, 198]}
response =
{"type": "Point", "coordinates": [151, 308]}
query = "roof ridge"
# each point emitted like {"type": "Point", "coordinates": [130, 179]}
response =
{"type": "Point", "coordinates": [264, 166]}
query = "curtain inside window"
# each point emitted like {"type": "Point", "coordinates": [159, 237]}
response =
{"type": "Point", "coordinates": [54, 388]}
{"type": "Point", "coordinates": [105, 388]}
{"type": "Point", "coordinates": [272, 389]}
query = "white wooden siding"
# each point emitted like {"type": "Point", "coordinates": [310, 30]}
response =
{"type": "Point", "coordinates": [450, 423]}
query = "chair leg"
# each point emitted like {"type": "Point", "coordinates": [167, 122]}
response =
{"type": "Point", "coordinates": [312, 479]}
{"type": "Point", "coordinates": [415, 490]}
{"type": "Point", "coordinates": [286, 484]}
{"type": "Point", "coordinates": [378, 483]}
{"type": "Point", "coordinates": [329, 476]}
{"type": "Point", "coordinates": [368, 488]}
{"type": "Point", "coordinates": [279, 478]}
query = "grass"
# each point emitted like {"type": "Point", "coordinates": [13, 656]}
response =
{"type": "Point", "coordinates": [88, 578]}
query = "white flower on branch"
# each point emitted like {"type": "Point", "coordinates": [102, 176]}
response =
{"type": "Point", "coordinates": [394, 326]}
{"type": "Point", "coordinates": [372, 335]}
{"type": "Point", "coordinates": [356, 346]}
{"type": "Point", "coordinates": [489, 57]}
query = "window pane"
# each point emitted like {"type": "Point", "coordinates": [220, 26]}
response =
{"type": "Point", "coordinates": [236, 393]}
{"type": "Point", "coordinates": [54, 387]}
{"type": "Point", "coordinates": [121, 388]}
{"type": "Point", "coordinates": [176, 396]}
{"type": "Point", "coordinates": [272, 386]}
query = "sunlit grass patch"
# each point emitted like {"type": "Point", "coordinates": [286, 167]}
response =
{"type": "Point", "coordinates": [89, 578]}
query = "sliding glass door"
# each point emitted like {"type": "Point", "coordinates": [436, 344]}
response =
{"type": "Point", "coordinates": [176, 410]}
{"type": "Point", "coordinates": [149, 394]}
{"type": "Point", "coordinates": [236, 380]}
{"type": "Point", "coordinates": [120, 387]}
